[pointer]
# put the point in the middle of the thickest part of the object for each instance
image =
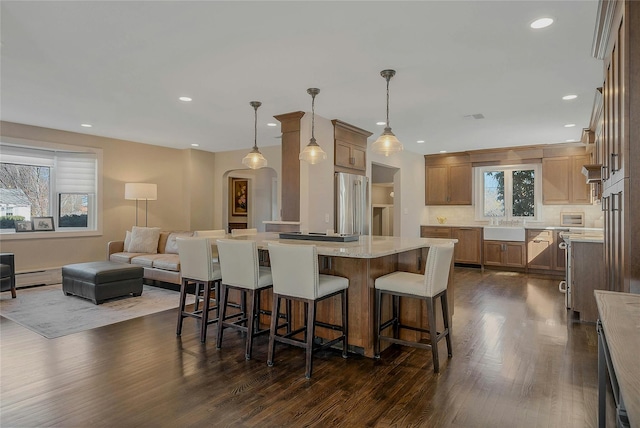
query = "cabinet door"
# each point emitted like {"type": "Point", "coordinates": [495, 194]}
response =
{"type": "Point", "coordinates": [540, 249]}
{"type": "Point", "coordinates": [469, 248]}
{"type": "Point", "coordinates": [514, 254]}
{"type": "Point", "coordinates": [580, 190]}
{"type": "Point", "coordinates": [460, 184]}
{"type": "Point", "coordinates": [343, 154]}
{"type": "Point", "coordinates": [359, 157]}
{"type": "Point", "coordinates": [437, 181]}
{"type": "Point", "coordinates": [493, 253]}
{"type": "Point", "coordinates": [556, 178]}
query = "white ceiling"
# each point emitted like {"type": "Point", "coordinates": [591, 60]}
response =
{"type": "Point", "coordinates": [122, 65]}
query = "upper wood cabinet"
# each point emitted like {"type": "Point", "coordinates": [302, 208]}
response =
{"type": "Point", "coordinates": [563, 182]}
{"type": "Point", "coordinates": [448, 180]}
{"type": "Point", "coordinates": [350, 148]}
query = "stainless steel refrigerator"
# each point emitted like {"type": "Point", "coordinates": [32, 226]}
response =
{"type": "Point", "coordinates": [352, 209]}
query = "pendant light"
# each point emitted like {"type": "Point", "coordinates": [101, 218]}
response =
{"type": "Point", "coordinates": [254, 158]}
{"type": "Point", "coordinates": [313, 153]}
{"type": "Point", "coordinates": [387, 143]}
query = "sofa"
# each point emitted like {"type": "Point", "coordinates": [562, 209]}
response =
{"type": "Point", "coordinates": [163, 264]}
{"type": "Point", "coordinates": [155, 250]}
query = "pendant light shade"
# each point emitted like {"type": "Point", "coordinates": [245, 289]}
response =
{"type": "Point", "coordinates": [313, 153]}
{"type": "Point", "coordinates": [387, 143]}
{"type": "Point", "coordinates": [254, 158]}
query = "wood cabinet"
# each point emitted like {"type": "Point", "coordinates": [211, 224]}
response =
{"type": "Point", "coordinates": [469, 246]}
{"type": "Point", "coordinates": [448, 180]}
{"type": "Point", "coordinates": [543, 250]}
{"type": "Point", "coordinates": [563, 182]}
{"type": "Point", "coordinates": [617, 43]}
{"type": "Point", "coordinates": [504, 254]}
{"type": "Point", "coordinates": [350, 151]}
{"type": "Point", "coordinates": [587, 275]}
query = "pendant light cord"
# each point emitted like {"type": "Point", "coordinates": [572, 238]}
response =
{"type": "Point", "coordinates": [255, 127]}
{"type": "Point", "coordinates": [388, 78]}
{"type": "Point", "coordinates": [313, 116]}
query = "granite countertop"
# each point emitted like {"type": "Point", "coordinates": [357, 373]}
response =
{"type": "Point", "coordinates": [367, 247]}
{"type": "Point", "coordinates": [586, 235]}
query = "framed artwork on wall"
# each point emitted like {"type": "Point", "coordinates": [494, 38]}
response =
{"type": "Point", "coordinates": [43, 224]}
{"type": "Point", "coordinates": [240, 192]}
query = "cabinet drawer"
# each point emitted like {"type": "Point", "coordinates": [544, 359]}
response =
{"type": "Point", "coordinates": [539, 235]}
{"type": "Point", "coordinates": [435, 232]}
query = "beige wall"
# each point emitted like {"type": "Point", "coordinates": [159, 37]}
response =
{"type": "Point", "coordinates": [185, 180]}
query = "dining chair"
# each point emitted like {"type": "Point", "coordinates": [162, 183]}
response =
{"type": "Point", "coordinates": [296, 277]}
{"type": "Point", "coordinates": [241, 271]}
{"type": "Point", "coordinates": [198, 268]}
{"type": "Point", "coordinates": [427, 287]}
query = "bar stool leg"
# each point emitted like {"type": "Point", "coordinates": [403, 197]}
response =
{"type": "Point", "coordinates": [183, 299]}
{"type": "Point", "coordinates": [309, 332]}
{"type": "Point", "coordinates": [345, 322]}
{"type": "Point", "coordinates": [274, 329]}
{"type": "Point", "coordinates": [205, 309]}
{"type": "Point", "coordinates": [447, 322]}
{"type": "Point", "coordinates": [223, 314]}
{"type": "Point", "coordinates": [378, 323]}
{"type": "Point", "coordinates": [433, 333]}
{"type": "Point", "coordinates": [251, 313]}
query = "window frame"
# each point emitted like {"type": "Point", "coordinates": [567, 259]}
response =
{"type": "Point", "coordinates": [95, 224]}
{"type": "Point", "coordinates": [478, 198]}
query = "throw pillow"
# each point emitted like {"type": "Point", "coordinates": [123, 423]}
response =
{"type": "Point", "coordinates": [127, 241]}
{"type": "Point", "coordinates": [144, 240]}
{"type": "Point", "coordinates": [172, 244]}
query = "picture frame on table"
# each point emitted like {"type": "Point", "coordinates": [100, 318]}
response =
{"type": "Point", "coordinates": [43, 224]}
{"type": "Point", "coordinates": [23, 225]}
{"type": "Point", "coordinates": [240, 193]}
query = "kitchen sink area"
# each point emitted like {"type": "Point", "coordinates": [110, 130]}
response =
{"type": "Point", "coordinates": [504, 233]}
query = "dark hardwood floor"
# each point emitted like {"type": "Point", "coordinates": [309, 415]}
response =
{"type": "Point", "coordinates": [517, 362]}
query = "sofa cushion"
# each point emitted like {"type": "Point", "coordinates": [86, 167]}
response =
{"type": "Point", "coordinates": [145, 260]}
{"type": "Point", "coordinates": [123, 257]}
{"type": "Point", "coordinates": [167, 262]}
{"type": "Point", "coordinates": [172, 246]}
{"type": "Point", "coordinates": [144, 240]}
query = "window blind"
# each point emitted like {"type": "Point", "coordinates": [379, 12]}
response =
{"type": "Point", "coordinates": [75, 172]}
{"type": "Point", "coordinates": [26, 156]}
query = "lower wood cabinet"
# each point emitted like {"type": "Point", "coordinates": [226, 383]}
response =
{"type": "Point", "coordinates": [469, 246]}
{"type": "Point", "coordinates": [587, 275]}
{"type": "Point", "coordinates": [543, 250]}
{"type": "Point", "coordinates": [505, 253]}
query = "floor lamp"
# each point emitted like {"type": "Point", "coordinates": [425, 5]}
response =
{"type": "Point", "coordinates": [139, 191]}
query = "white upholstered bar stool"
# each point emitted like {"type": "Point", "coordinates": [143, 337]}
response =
{"type": "Point", "coordinates": [428, 287]}
{"type": "Point", "coordinates": [296, 277]}
{"type": "Point", "coordinates": [241, 271]}
{"type": "Point", "coordinates": [243, 232]}
{"type": "Point", "coordinates": [198, 268]}
{"type": "Point", "coordinates": [213, 233]}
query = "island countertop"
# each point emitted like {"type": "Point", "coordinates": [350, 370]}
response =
{"type": "Point", "coordinates": [367, 247]}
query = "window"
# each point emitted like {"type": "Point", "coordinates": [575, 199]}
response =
{"type": "Point", "coordinates": [507, 192]}
{"type": "Point", "coordinates": [38, 182]}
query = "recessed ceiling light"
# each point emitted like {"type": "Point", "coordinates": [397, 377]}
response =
{"type": "Point", "coordinates": [420, 141]}
{"type": "Point", "coordinates": [185, 99]}
{"type": "Point", "coordinates": [195, 145]}
{"type": "Point", "coordinates": [86, 125]}
{"type": "Point", "coordinates": [381, 123]}
{"type": "Point", "coordinates": [571, 140]}
{"type": "Point", "coordinates": [570, 97]}
{"type": "Point", "coordinates": [443, 151]}
{"type": "Point", "coordinates": [272, 124]}
{"type": "Point", "coordinates": [541, 23]}
{"type": "Point", "coordinates": [570, 125]}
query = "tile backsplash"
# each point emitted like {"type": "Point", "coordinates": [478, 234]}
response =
{"type": "Point", "coordinates": [464, 215]}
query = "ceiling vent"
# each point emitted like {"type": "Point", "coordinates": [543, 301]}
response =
{"type": "Point", "coordinates": [476, 116]}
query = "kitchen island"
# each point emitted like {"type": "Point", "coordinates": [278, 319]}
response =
{"type": "Point", "coordinates": [362, 262]}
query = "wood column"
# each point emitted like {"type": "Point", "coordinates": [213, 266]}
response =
{"type": "Point", "coordinates": [290, 180]}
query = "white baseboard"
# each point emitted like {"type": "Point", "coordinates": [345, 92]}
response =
{"type": "Point", "coordinates": [39, 277]}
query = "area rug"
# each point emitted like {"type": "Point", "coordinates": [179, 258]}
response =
{"type": "Point", "coordinates": [48, 312]}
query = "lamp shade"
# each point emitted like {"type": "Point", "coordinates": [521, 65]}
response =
{"type": "Point", "coordinates": [147, 191]}
{"type": "Point", "coordinates": [254, 159]}
{"type": "Point", "coordinates": [387, 143]}
{"type": "Point", "coordinates": [312, 153]}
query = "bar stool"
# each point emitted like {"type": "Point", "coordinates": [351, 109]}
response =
{"type": "Point", "coordinates": [428, 287]}
{"type": "Point", "coordinates": [240, 271]}
{"type": "Point", "coordinates": [214, 233]}
{"type": "Point", "coordinates": [197, 267]}
{"type": "Point", "coordinates": [243, 232]}
{"type": "Point", "coordinates": [296, 277]}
